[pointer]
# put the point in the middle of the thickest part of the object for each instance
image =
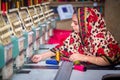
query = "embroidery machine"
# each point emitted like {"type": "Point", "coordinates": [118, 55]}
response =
{"type": "Point", "coordinates": [18, 39]}
{"type": "Point", "coordinates": [24, 35]}
{"type": "Point", "coordinates": [49, 18]}
{"type": "Point", "coordinates": [6, 49]}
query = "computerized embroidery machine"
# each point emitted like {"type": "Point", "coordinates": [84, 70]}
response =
{"type": "Point", "coordinates": [26, 30]}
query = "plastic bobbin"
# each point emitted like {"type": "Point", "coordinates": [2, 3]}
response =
{"type": "Point", "coordinates": [80, 67]}
{"type": "Point", "coordinates": [76, 62]}
{"type": "Point", "coordinates": [57, 57]}
{"type": "Point", "coordinates": [52, 61]}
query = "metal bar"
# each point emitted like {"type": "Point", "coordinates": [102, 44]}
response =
{"type": "Point", "coordinates": [39, 67]}
{"type": "Point", "coordinates": [23, 72]}
{"type": "Point", "coordinates": [64, 71]}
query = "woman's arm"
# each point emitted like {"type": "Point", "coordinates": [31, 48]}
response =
{"type": "Point", "coordinates": [42, 56]}
{"type": "Point", "coordinates": [96, 60]}
{"type": "Point", "coordinates": [91, 59]}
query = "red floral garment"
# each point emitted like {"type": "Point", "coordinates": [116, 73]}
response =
{"type": "Point", "coordinates": [97, 40]}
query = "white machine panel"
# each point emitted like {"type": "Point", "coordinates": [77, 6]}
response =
{"type": "Point", "coordinates": [65, 11]}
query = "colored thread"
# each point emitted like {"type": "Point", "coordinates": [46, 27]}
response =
{"type": "Point", "coordinates": [17, 4]}
{"type": "Point", "coordinates": [22, 3]}
{"type": "Point", "coordinates": [57, 56]}
{"type": "Point", "coordinates": [76, 62]}
{"type": "Point", "coordinates": [52, 61]}
{"type": "Point", "coordinates": [3, 6]}
{"type": "Point", "coordinates": [80, 67]}
{"type": "Point", "coordinates": [31, 2]}
{"type": "Point", "coordinates": [6, 3]}
{"type": "Point", "coordinates": [39, 1]}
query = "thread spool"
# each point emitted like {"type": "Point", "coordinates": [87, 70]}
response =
{"type": "Point", "coordinates": [57, 56]}
{"type": "Point", "coordinates": [52, 61]}
{"type": "Point", "coordinates": [80, 67]}
{"type": "Point", "coordinates": [17, 4]}
{"type": "Point", "coordinates": [76, 62]}
{"type": "Point", "coordinates": [3, 6]}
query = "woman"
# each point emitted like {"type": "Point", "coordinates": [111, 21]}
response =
{"type": "Point", "coordinates": [89, 42]}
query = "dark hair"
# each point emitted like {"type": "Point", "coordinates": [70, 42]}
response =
{"type": "Point", "coordinates": [75, 10]}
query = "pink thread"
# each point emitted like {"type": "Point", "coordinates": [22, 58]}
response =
{"type": "Point", "coordinates": [80, 67]}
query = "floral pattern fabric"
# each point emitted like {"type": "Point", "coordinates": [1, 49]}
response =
{"type": "Point", "coordinates": [97, 40]}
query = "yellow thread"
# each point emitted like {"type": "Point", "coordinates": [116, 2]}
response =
{"type": "Point", "coordinates": [17, 4]}
{"type": "Point", "coordinates": [57, 55]}
{"type": "Point", "coordinates": [76, 62]}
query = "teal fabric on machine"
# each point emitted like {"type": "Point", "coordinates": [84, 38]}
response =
{"type": "Point", "coordinates": [15, 50]}
{"type": "Point", "coordinates": [34, 35]}
{"type": "Point", "coordinates": [26, 39]}
{"type": "Point", "coordinates": [39, 25]}
{"type": "Point", "coordinates": [2, 62]}
{"type": "Point", "coordinates": [40, 30]}
{"type": "Point", "coordinates": [42, 27]}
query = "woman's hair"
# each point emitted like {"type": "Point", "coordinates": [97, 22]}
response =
{"type": "Point", "coordinates": [75, 10]}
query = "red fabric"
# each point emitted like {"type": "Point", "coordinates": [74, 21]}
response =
{"type": "Point", "coordinates": [59, 36]}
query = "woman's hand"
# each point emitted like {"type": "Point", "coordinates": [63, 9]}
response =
{"type": "Point", "coordinates": [77, 56]}
{"type": "Point", "coordinates": [36, 58]}
{"type": "Point", "coordinates": [42, 56]}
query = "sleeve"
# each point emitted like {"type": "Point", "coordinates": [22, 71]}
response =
{"type": "Point", "coordinates": [111, 49]}
{"type": "Point", "coordinates": [113, 56]}
{"type": "Point", "coordinates": [64, 46]}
